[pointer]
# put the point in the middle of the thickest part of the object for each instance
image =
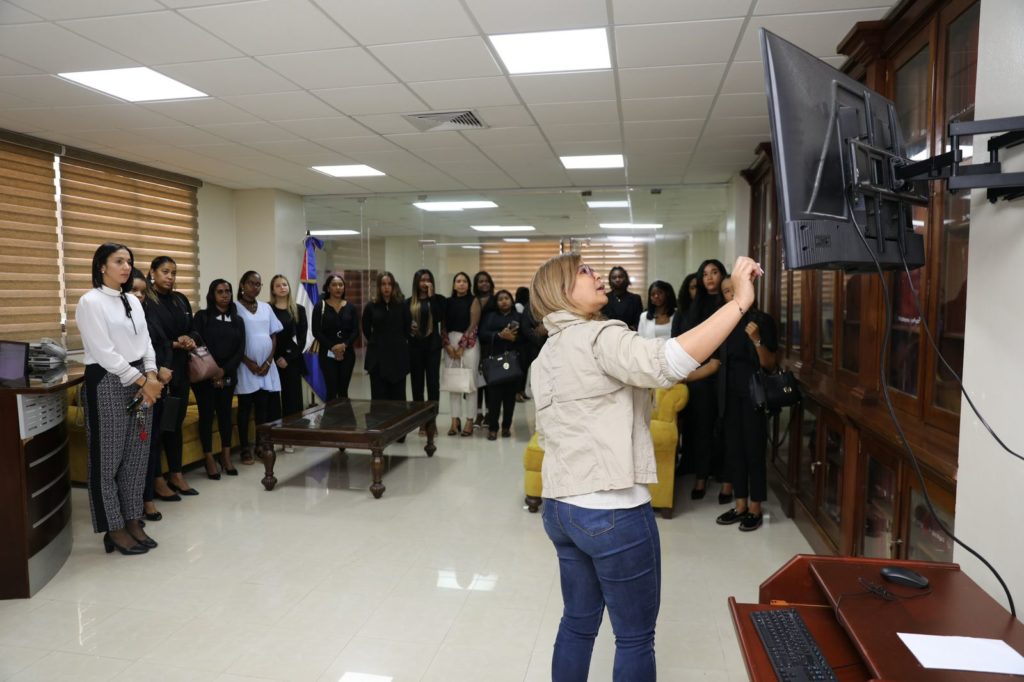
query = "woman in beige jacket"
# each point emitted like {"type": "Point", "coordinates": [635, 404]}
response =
{"type": "Point", "coordinates": [590, 385]}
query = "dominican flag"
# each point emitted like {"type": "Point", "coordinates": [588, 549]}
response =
{"type": "Point", "coordinates": [308, 296]}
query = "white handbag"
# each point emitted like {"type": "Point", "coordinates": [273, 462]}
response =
{"type": "Point", "coordinates": [458, 379]}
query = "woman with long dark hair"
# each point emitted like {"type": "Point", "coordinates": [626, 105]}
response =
{"type": "Point", "coordinates": [386, 325]}
{"type": "Point", "coordinates": [701, 417]}
{"type": "Point", "coordinates": [483, 290]}
{"type": "Point", "coordinates": [291, 341]}
{"type": "Point", "coordinates": [336, 328]}
{"type": "Point", "coordinates": [259, 383]}
{"type": "Point", "coordinates": [223, 332]}
{"type": "Point", "coordinates": [426, 310]}
{"type": "Point", "coordinates": [656, 322]}
{"type": "Point", "coordinates": [169, 315]}
{"type": "Point", "coordinates": [140, 286]}
{"type": "Point", "coordinates": [684, 299]}
{"type": "Point", "coordinates": [500, 332]}
{"type": "Point", "coordinates": [461, 320]}
{"type": "Point", "coordinates": [120, 389]}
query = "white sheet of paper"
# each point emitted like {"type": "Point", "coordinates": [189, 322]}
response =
{"type": "Point", "coordinates": [964, 653]}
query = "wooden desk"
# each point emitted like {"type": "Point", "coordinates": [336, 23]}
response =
{"type": "Point", "coordinates": [344, 423]}
{"type": "Point", "coordinates": [859, 639]}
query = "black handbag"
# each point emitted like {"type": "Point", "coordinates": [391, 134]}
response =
{"type": "Point", "coordinates": [772, 392]}
{"type": "Point", "coordinates": [503, 368]}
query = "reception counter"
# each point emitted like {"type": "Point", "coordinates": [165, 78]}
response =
{"type": "Point", "coordinates": [35, 487]}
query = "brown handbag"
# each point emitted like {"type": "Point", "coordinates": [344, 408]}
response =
{"type": "Point", "coordinates": [202, 366]}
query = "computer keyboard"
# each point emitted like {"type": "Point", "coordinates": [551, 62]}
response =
{"type": "Point", "coordinates": [792, 651]}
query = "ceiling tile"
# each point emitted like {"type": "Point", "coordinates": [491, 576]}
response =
{"type": "Point", "coordinates": [505, 117]}
{"type": "Point", "coordinates": [531, 177]}
{"type": "Point", "coordinates": [381, 184]}
{"type": "Point", "coordinates": [583, 132]}
{"type": "Point", "coordinates": [430, 140]}
{"type": "Point", "coordinates": [639, 130]}
{"type": "Point", "coordinates": [732, 142]}
{"type": "Point", "coordinates": [64, 51]}
{"type": "Point", "coordinates": [330, 68]}
{"type": "Point", "coordinates": [224, 77]}
{"type": "Point", "coordinates": [537, 15]}
{"type": "Point", "coordinates": [692, 42]}
{"type": "Point", "coordinates": [661, 178]}
{"type": "Point", "coordinates": [701, 176]}
{"type": "Point", "coordinates": [201, 111]}
{"type": "Point", "coordinates": [444, 157]}
{"type": "Point", "coordinates": [388, 98]}
{"type": "Point", "coordinates": [576, 112]}
{"type": "Point", "coordinates": [282, 105]}
{"type": "Point", "coordinates": [666, 108]}
{"type": "Point", "coordinates": [54, 10]}
{"type": "Point", "coordinates": [746, 104]}
{"type": "Point", "coordinates": [249, 132]}
{"type": "Point", "coordinates": [671, 81]}
{"type": "Point", "coordinates": [289, 149]}
{"type": "Point", "coordinates": [10, 14]}
{"type": "Point", "coordinates": [315, 128]}
{"type": "Point", "coordinates": [818, 34]}
{"type": "Point", "coordinates": [566, 87]}
{"type": "Point", "coordinates": [49, 91]}
{"type": "Point", "coordinates": [795, 6]}
{"type": "Point", "coordinates": [178, 135]}
{"type": "Point", "coordinates": [587, 147]}
{"type": "Point", "coordinates": [74, 119]}
{"type": "Point", "coordinates": [346, 145]}
{"type": "Point", "coordinates": [658, 11]}
{"type": "Point", "coordinates": [747, 125]}
{"type": "Point", "coordinates": [152, 38]}
{"type": "Point", "coordinates": [399, 21]}
{"type": "Point", "coordinates": [386, 124]}
{"type": "Point", "coordinates": [656, 146]}
{"type": "Point", "coordinates": [744, 77]}
{"type": "Point", "coordinates": [10, 67]}
{"type": "Point", "coordinates": [739, 159]}
{"type": "Point", "coordinates": [504, 136]}
{"type": "Point", "coordinates": [271, 26]}
{"type": "Point", "coordinates": [520, 154]}
{"type": "Point", "coordinates": [597, 178]}
{"type": "Point", "coordinates": [466, 93]}
{"type": "Point", "coordinates": [438, 59]}
{"type": "Point", "coordinates": [224, 150]}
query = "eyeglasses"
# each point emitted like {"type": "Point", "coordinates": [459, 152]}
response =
{"type": "Point", "coordinates": [585, 269]}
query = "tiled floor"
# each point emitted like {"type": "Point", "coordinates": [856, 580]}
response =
{"type": "Point", "coordinates": [447, 577]}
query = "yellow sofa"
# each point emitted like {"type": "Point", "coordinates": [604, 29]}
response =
{"type": "Point", "coordinates": [192, 450]}
{"type": "Point", "coordinates": [667, 404]}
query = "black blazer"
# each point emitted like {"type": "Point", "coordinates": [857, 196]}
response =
{"type": "Point", "coordinates": [291, 340]}
{"type": "Point", "coordinates": [224, 338]}
{"type": "Point", "coordinates": [437, 311]}
{"type": "Point", "coordinates": [168, 318]}
{"type": "Point", "coordinates": [386, 328]}
{"type": "Point", "coordinates": [332, 327]}
{"type": "Point", "coordinates": [493, 324]}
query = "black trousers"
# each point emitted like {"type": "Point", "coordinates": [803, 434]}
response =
{"type": "Point", "coordinates": [338, 374]}
{"type": "Point", "coordinates": [267, 405]}
{"type": "Point", "coordinates": [703, 439]}
{"type": "Point", "coordinates": [501, 397]}
{"type": "Point", "coordinates": [746, 437]}
{"type": "Point", "coordinates": [425, 363]}
{"type": "Point", "coordinates": [382, 389]}
{"type": "Point", "coordinates": [291, 389]}
{"type": "Point", "coordinates": [172, 440]}
{"type": "Point", "coordinates": [213, 402]}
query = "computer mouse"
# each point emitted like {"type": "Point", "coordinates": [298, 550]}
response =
{"type": "Point", "coordinates": [907, 577]}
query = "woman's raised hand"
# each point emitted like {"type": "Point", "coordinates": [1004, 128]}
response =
{"type": "Point", "coordinates": [744, 272]}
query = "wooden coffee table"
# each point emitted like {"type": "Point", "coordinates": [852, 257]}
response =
{"type": "Point", "coordinates": [344, 423]}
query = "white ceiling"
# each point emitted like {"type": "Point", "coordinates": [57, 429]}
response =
{"type": "Point", "coordinates": [296, 83]}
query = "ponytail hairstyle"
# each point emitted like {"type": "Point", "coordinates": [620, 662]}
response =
{"type": "Point", "coordinates": [157, 262]}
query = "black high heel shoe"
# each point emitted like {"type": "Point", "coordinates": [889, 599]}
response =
{"type": "Point", "coordinates": [167, 498]}
{"type": "Point", "coordinates": [182, 491]}
{"type": "Point", "coordinates": [214, 476]}
{"type": "Point", "coordinates": [110, 546]}
{"type": "Point", "coordinates": [155, 516]}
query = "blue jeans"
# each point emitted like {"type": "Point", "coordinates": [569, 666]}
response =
{"type": "Point", "coordinates": [607, 557]}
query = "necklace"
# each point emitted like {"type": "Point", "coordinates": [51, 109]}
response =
{"type": "Point", "coordinates": [251, 307]}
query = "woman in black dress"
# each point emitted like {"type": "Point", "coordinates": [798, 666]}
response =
{"type": "Point", "coordinates": [461, 320]}
{"type": "Point", "coordinates": [169, 317]}
{"type": "Point", "coordinates": [223, 332]}
{"type": "Point", "coordinates": [291, 341]}
{"type": "Point", "coordinates": [500, 332]}
{"type": "Point", "coordinates": [483, 290]}
{"type": "Point", "coordinates": [336, 328]}
{"type": "Point", "coordinates": [750, 346]}
{"type": "Point", "coordinates": [426, 310]}
{"type": "Point", "coordinates": [386, 325]}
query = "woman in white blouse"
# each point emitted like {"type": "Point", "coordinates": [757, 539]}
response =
{"type": "Point", "coordinates": [258, 383]}
{"type": "Point", "coordinates": [120, 386]}
{"type": "Point", "coordinates": [656, 322]}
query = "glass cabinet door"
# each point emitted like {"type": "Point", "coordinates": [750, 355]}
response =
{"type": "Point", "coordinates": [832, 493]}
{"type": "Point", "coordinates": [925, 540]}
{"type": "Point", "coordinates": [851, 323]}
{"type": "Point", "coordinates": [826, 315]}
{"type": "Point", "coordinates": [879, 530]}
{"type": "Point", "coordinates": [807, 480]}
{"type": "Point", "coordinates": [778, 430]}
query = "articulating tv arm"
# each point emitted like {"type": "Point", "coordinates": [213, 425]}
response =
{"type": "Point", "coordinates": [976, 175]}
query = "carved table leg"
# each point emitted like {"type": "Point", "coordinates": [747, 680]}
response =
{"type": "Point", "coordinates": [269, 458]}
{"type": "Point", "coordinates": [377, 466]}
{"type": "Point", "coordinates": [431, 433]}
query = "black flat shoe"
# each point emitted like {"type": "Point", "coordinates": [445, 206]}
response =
{"type": "Point", "coordinates": [732, 516]}
{"type": "Point", "coordinates": [169, 498]}
{"type": "Point", "coordinates": [698, 494]}
{"type": "Point", "coordinates": [183, 491]}
{"type": "Point", "coordinates": [109, 545]}
{"type": "Point", "coordinates": [751, 522]}
{"type": "Point", "coordinates": [724, 498]}
{"type": "Point", "coordinates": [213, 477]}
{"type": "Point", "coordinates": [148, 542]}
{"type": "Point", "coordinates": [506, 433]}
{"type": "Point", "coordinates": [231, 472]}
{"type": "Point", "coordinates": [492, 436]}
{"type": "Point", "coordinates": [155, 516]}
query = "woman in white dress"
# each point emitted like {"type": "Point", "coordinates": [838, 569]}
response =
{"type": "Point", "coordinates": [656, 322]}
{"type": "Point", "coordinates": [258, 383]}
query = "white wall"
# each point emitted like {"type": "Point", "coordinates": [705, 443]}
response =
{"type": "Point", "coordinates": [666, 260]}
{"type": "Point", "coordinates": [736, 233]}
{"type": "Point", "coordinates": [990, 481]}
{"type": "Point", "coordinates": [704, 245]}
{"type": "Point", "coordinates": [217, 237]}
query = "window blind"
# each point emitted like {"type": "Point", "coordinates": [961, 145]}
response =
{"type": "Point", "coordinates": [29, 280]}
{"type": "Point", "coordinates": [603, 256]}
{"type": "Point", "coordinates": [512, 265]}
{"type": "Point", "coordinates": [152, 216]}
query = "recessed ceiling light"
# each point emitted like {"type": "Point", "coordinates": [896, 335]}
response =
{"type": "Point", "coordinates": [472, 247]}
{"type": "Point", "coordinates": [503, 228]}
{"type": "Point", "coordinates": [357, 170]}
{"type": "Point", "coordinates": [491, 251]}
{"type": "Point", "coordinates": [628, 240]}
{"type": "Point", "coordinates": [631, 226]}
{"type": "Point", "coordinates": [596, 161]}
{"type": "Point", "coordinates": [516, 240]}
{"type": "Point", "coordinates": [138, 84]}
{"type": "Point", "coordinates": [452, 205]}
{"type": "Point", "coordinates": [609, 204]}
{"type": "Point", "coordinates": [332, 233]}
{"type": "Point", "coordinates": [576, 50]}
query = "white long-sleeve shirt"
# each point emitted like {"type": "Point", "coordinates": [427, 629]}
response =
{"type": "Point", "coordinates": [111, 338]}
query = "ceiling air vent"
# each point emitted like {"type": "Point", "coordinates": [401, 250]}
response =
{"type": "Point", "coordinates": [445, 120]}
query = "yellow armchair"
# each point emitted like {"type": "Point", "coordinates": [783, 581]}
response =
{"type": "Point", "coordinates": [664, 433]}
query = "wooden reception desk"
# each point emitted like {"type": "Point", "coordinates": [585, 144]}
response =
{"type": "Point", "coordinates": [857, 631]}
{"type": "Point", "coordinates": [35, 488]}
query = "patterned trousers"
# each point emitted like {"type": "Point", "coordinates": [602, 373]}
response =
{"type": "Point", "coordinates": [118, 456]}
